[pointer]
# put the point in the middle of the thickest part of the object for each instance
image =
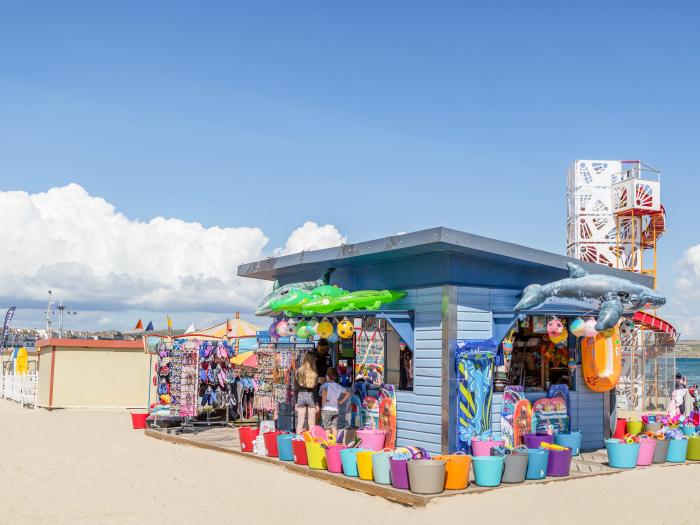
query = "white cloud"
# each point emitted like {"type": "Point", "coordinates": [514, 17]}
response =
{"type": "Point", "coordinates": [311, 236]}
{"type": "Point", "coordinates": [688, 297]}
{"type": "Point", "coordinates": [94, 257]}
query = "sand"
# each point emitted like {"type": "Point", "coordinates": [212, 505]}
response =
{"type": "Point", "coordinates": [70, 466]}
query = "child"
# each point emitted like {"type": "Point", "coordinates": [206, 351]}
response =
{"type": "Point", "coordinates": [332, 395]}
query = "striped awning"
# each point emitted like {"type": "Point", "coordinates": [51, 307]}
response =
{"type": "Point", "coordinates": [655, 323]}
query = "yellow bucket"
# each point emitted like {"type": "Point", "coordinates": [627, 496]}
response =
{"type": "Point", "coordinates": [364, 465]}
{"type": "Point", "coordinates": [316, 456]}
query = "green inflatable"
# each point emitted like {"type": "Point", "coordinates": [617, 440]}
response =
{"type": "Point", "coordinates": [294, 301]}
{"type": "Point", "coordinates": [360, 300]}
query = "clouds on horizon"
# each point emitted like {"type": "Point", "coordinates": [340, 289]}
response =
{"type": "Point", "coordinates": [90, 255]}
{"type": "Point", "coordinates": [687, 301]}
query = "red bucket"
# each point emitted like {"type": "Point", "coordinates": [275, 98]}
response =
{"type": "Point", "coordinates": [620, 428]}
{"type": "Point", "coordinates": [138, 420]}
{"type": "Point", "coordinates": [247, 435]}
{"type": "Point", "coordinates": [271, 443]}
{"type": "Point", "coordinates": [299, 449]}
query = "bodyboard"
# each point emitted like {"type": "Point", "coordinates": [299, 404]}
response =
{"type": "Point", "coordinates": [511, 396]}
{"type": "Point", "coordinates": [522, 421]}
{"type": "Point", "coordinates": [387, 415]}
{"type": "Point", "coordinates": [549, 416]}
{"type": "Point", "coordinates": [475, 379]}
{"type": "Point", "coordinates": [369, 414]}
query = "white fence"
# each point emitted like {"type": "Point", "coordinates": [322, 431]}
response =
{"type": "Point", "coordinates": [20, 388]}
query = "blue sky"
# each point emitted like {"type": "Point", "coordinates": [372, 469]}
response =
{"type": "Point", "coordinates": [375, 118]}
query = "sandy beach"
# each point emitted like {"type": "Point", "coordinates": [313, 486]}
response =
{"type": "Point", "coordinates": [70, 466]}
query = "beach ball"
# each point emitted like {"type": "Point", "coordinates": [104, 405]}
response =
{"type": "Point", "coordinates": [345, 329]}
{"type": "Point", "coordinates": [291, 327]}
{"type": "Point", "coordinates": [589, 328]}
{"type": "Point", "coordinates": [554, 329]}
{"type": "Point", "coordinates": [301, 330]}
{"type": "Point", "coordinates": [577, 327]}
{"type": "Point", "coordinates": [281, 328]}
{"type": "Point", "coordinates": [324, 329]}
{"type": "Point", "coordinates": [626, 327]}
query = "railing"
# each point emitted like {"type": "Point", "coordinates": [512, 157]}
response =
{"type": "Point", "coordinates": [21, 389]}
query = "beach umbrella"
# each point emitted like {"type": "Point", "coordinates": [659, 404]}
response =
{"type": "Point", "coordinates": [245, 359]}
{"type": "Point", "coordinates": [240, 328]}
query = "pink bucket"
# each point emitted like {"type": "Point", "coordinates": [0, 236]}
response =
{"type": "Point", "coordinates": [646, 451]}
{"type": "Point", "coordinates": [372, 439]}
{"type": "Point", "coordinates": [483, 448]}
{"type": "Point", "coordinates": [333, 458]}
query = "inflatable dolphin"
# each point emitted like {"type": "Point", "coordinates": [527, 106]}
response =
{"type": "Point", "coordinates": [614, 294]}
{"type": "Point", "coordinates": [278, 292]}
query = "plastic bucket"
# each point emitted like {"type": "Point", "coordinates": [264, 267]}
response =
{"type": "Point", "coordinates": [693, 448]}
{"type": "Point", "coordinates": [660, 451]}
{"type": "Point", "coordinates": [620, 428]}
{"type": "Point", "coordinates": [284, 447]}
{"type": "Point", "coordinates": [364, 465]}
{"type": "Point", "coordinates": [515, 468]}
{"type": "Point", "coordinates": [381, 468]}
{"type": "Point", "coordinates": [634, 427]}
{"type": "Point", "coordinates": [457, 468]}
{"type": "Point", "coordinates": [372, 439]}
{"type": "Point", "coordinates": [138, 420]}
{"type": "Point", "coordinates": [487, 470]}
{"type": "Point", "coordinates": [687, 431]}
{"type": "Point", "coordinates": [271, 443]}
{"type": "Point", "coordinates": [316, 455]}
{"type": "Point", "coordinates": [333, 458]}
{"type": "Point", "coordinates": [247, 435]}
{"type": "Point", "coordinates": [399, 473]}
{"type": "Point", "coordinates": [537, 459]}
{"type": "Point", "coordinates": [571, 440]}
{"type": "Point", "coordinates": [651, 427]}
{"type": "Point", "coordinates": [426, 476]}
{"type": "Point", "coordinates": [677, 450]}
{"type": "Point", "coordinates": [559, 463]}
{"type": "Point", "coordinates": [483, 448]}
{"type": "Point", "coordinates": [299, 449]}
{"type": "Point", "coordinates": [646, 452]}
{"type": "Point", "coordinates": [348, 458]}
{"type": "Point", "coordinates": [622, 455]}
{"type": "Point", "coordinates": [534, 440]}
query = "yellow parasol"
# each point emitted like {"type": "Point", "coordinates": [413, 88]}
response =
{"type": "Point", "coordinates": [234, 329]}
{"type": "Point", "coordinates": [245, 359]}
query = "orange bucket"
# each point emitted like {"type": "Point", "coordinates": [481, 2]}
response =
{"type": "Point", "coordinates": [456, 470]}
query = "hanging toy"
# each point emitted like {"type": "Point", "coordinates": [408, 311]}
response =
{"type": "Point", "coordinates": [312, 327]}
{"type": "Point", "coordinates": [626, 328]}
{"type": "Point", "coordinates": [324, 329]}
{"type": "Point", "coordinates": [273, 329]}
{"type": "Point", "coordinates": [577, 327]}
{"type": "Point", "coordinates": [281, 328]}
{"type": "Point", "coordinates": [561, 338]}
{"type": "Point", "coordinates": [302, 331]}
{"type": "Point", "coordinates": [589, 329]}
{"type": "Point", "coordinates": [345, 329]}
{"type": "Point", "coordinates": [554, 328]}
{"type": "Point", "coordinates": [291, 327]}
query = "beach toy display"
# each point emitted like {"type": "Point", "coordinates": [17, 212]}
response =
{"type": "Point", "coordinates": [647, 446]}
{"type": "Point", "coordinates": [381, 469]}
{"type": "Point", "coordinates": [622, 453]}
{"type": "Point", "coordinates": [559, 461]}
{"type": "Point", "coordinates": [246, 436]}
{"type": "Point", "coordinates": [333, 461]}
{"type": "Point", "coordinates": [284, 447]}
{"type": "Point", "coordinates": [515, 465]}
{"type": "Point", "coordinates": [426, 476]}
{"type": "Point", "coordinates": [570, 440]}
{"type": "Point", "coordinates": [457, 467]}
{"type": "Point", "coordinates": [693, 452]}
{"type": "Point", "coordinates": [534, 440]}
{"type": "Point", "coordinates": [270, 439]}
{"type": "Point", "coordinates": [537, 459]}
{"type": "Point", "coordinates": [348, 459]}
{"type": "Point", "coordinates": [372, 439]}
{"type": "Point", "coordinates": [364, 465]}
{"type": "Point", "coordinates": [483, 446]}
{"type": "Point", "coordinates": [488, 470]}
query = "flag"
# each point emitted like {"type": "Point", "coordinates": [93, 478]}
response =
{"type": "Point", "coordinates": [190, 329]}
{"type": "Point", "coordinates": [149, 328]}
{"type": "Point", "coordinates": [6, 328]}
{"type": "Point", "coordinates": [170, 321]}
{"type": "Point", "coordinates": [139, 325]}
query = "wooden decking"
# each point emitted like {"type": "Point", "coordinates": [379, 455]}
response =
{"type": "Point", "coordinates": [226, 440]}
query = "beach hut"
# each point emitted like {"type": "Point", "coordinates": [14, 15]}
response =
{"type": "Point", "coordinates": [460, 288]}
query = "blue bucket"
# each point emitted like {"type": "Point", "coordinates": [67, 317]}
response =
{"type": "Point", "coordinates": [677, 450]}
{"type": "Point", "coordinates": [688, 431]}
{"type": "Point", "coordinates": [537, 459]}
{"type": "Point", "coordinates": [284, 447]}
{"type": "Point", "coordinates": [488, 470]}
{"type": "Point", "coordinates": [348, 457]}
{"type": "Point", "coordinates": [571, 440]}
{"type": "Point", "coordinates": [381, 468]}
{"type": "Point", "coordinates": [622, 455]}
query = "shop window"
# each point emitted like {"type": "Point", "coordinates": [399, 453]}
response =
{"type": "Point", "coordinates": [381, 356]}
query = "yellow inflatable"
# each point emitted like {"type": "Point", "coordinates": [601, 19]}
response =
{"type": "Point", "coordinates": [601, 360]}
{"type": "Point", "coordinates": [22, 361]}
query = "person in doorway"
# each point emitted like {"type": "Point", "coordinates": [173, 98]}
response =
{"type": "Point", "coordinates": [307, 380]}
{"type": "Point", "coordinates": [332, 396]}
{"type": "Point", "coordinates": [323, 363]}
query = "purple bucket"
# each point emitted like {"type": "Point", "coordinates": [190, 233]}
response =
{"type": "Point", "coordinates": [534, 440]}
{"type": "Point", "coordinates": [399, 473]}
{"type": "Point", "coordinates": [559, 463]}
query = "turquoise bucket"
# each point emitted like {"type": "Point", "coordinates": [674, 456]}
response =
{"type": "Point", "coordinates": [622, 455]}
{"type": "Point", "coordinates": [348, 457]}
{"type": "Point", "coordinates": [571, 440]}
{"type": "Point", "coordinates": [537, 459]}
{"type": "Point", "coordinates": [688, 431]}
{"type": "Point", "coordinates": [380, 468]}
{"type": "Point", "coordinates": [677, 450]}
{"type": "Point", "coordinates": [284, 447]}
{"type": "Point", "coordinates": [488, 470]}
